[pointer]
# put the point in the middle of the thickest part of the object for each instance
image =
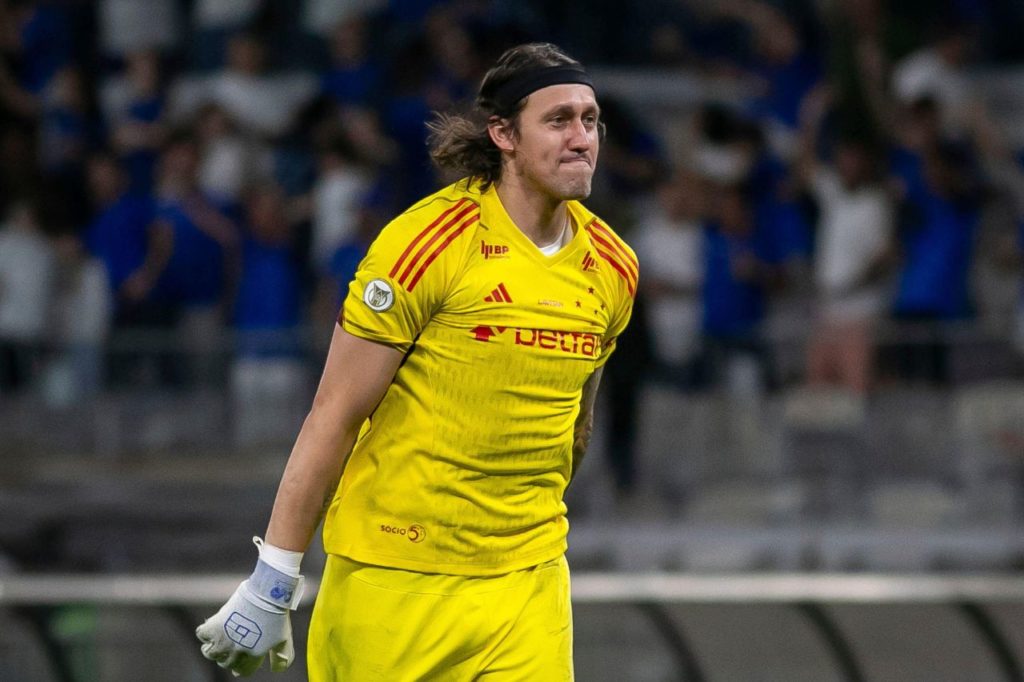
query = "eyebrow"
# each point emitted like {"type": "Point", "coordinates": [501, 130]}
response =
{"type": "Point", "coordinates": [570, 109]}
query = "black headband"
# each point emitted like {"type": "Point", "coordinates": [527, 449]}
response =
{"type": "Point", "coordinates": [518, 87]}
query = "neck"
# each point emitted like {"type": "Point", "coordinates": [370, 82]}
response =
{"type": "Point", "coordinates": [540, 217]}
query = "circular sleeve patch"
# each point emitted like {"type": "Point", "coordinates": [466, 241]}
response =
{"type": "Point", "coordinates": [378, 295]}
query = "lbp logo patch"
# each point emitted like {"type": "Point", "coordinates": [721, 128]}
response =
{"type": "Point", "coordinates": [378, 295]}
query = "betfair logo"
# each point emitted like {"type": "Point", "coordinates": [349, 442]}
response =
{"type": "Point", "coordinates": [589, 264]}
{"type": "Point", "coordinates": [484, 333]}
{"type": "Point", "coordinates": [415, 533]}
{"type": "Point", "coordinates": [573, 343]}
{"type": "Point", "coordinates": [499, 295]}
{"type": "Point", "coordinates": [493, 250]}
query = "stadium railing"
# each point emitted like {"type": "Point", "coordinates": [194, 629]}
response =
{"type": "Point", "coordinates": [811, 598]}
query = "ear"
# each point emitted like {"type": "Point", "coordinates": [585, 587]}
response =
{"type": "Point", "coordinates": [502, 135]}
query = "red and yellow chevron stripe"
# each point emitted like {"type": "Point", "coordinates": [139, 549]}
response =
{"type": "Point", "coordinates": [615, 251]}
{"type": "Point", "coordinates": [444, 229]}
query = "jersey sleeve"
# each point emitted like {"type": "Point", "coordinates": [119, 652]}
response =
{"type": "Point", "coordinates": [626, 286]}
{"type": "Point", "coordinates": [406, 274]}
{"type": "Point", "coordinates": [618, 326]}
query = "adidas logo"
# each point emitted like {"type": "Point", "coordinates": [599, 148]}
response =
{"type": "Point", "coordinates": [589, 264]}
{"type": "Point", "coordinates": [499, 295]}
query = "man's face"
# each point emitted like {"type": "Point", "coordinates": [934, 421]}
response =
{"type": "Point", "coordinates": [556, 149]}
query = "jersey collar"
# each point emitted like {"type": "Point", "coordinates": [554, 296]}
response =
{"type": "Point", "coordinates": [494, 216]}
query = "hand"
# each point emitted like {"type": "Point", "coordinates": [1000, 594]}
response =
{"type": "Point", "coordinates": [253, 624]}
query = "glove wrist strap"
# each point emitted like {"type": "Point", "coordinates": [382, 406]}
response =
{"type": "Point", "coordinates": [276, 588]}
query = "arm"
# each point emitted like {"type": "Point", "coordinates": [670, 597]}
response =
{"type": "Point", "coordinates": [209, 220]}
{"type": "Point", "coordinates": [584, 425]}
{"type": "Point", "coordinates": [356, 375]}
{"type": "Point", "coordinates": [255, 623]}
{"type": "Point", "coordinates": [159, 249]}
{"type": "Point", "coordinates": [815, 106]}
{"type": "Point", "coordinates": [359, 370]}
{"type": "Point", "coordinates": [873, 70]}
{"type": "Point", "coordinates": [764, 21]}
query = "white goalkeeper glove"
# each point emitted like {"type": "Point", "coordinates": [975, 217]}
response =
{"type": "Point", "coordinates": [254, 623]}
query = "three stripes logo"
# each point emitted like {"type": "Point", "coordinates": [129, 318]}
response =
{"type": "Point", "coordinates": [589, 264]}
{"type": "Point", "coordinates": [499, 295]}
{"type": "Point", "coordinates": [431, 241]}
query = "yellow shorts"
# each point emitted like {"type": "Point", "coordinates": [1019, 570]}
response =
{"type": "Point", "coordinates": [390, 625]}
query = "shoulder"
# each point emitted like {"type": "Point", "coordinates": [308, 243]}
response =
{"type": "Point", "coordinates": [434, 228]}
{"type": "Point", "coordinates": [598, 229]}
{"type": "Point", "coordinates": [427, 209]}
{"type": "Point", "coordinates": [446, 213]}
{"type": "Point", "coordinates": [619, 257]}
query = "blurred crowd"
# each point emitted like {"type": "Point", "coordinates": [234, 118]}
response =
{"type": "Point", "coordinates": [844, 204]}
{"type": "Point", "coordinates": [211, 172]}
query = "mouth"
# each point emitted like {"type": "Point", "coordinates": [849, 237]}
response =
{"type": "Point", "coordinates": [576, 161]}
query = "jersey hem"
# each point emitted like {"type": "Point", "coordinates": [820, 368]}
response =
{"type": "Point", "coordinates": [404, 563]}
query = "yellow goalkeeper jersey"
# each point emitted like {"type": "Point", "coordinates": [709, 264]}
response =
{"type": "Point", "coordinates": [462, 467]}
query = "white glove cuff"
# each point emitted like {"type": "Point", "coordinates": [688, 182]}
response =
{"type": "Point", "coordinates": [284, 560]}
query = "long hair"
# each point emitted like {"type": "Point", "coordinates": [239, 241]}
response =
{"type": "Point", "coordinates": [461, 142]}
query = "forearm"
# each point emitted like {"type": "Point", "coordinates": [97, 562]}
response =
{"type": "Point", "coordinates": [309, 481]}
{"type": "Point", "coordinates": [813, 110]}
{"type": "Point", "coordinates": [584, 425]}
{"type": "Point", "coordinates": [254, 622]}
{"type": "Point", "coordinates": [582, 431]}
{"type": "Point", "coordinates": [356, 376]}
{"type": "Point", "coordinates": [158, 253]}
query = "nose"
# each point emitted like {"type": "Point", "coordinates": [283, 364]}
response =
{"type": "Point", "coordinates": [579, 137]}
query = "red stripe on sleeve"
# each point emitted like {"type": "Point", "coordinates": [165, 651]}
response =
{"type": "Point", "coordinates": [620, 246]}
{"type": "Point", "coordinates": [430, 242]}
{"type": "Point", "coordinates": [610, 249]}
{"type": "Point", "coordinates": [451, 237]}
{"type": "Point", "coordinates": [630, 282]}
{"type": "Point", "coordinates": [421, 235]}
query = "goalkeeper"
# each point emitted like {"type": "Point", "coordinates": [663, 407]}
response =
{"type": "Point", "coordinates": [455, 406]}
